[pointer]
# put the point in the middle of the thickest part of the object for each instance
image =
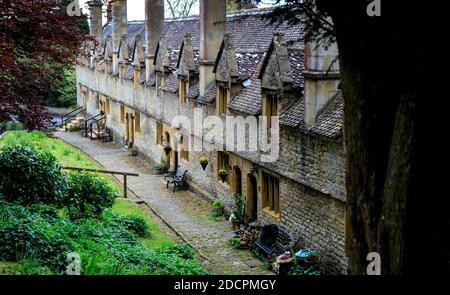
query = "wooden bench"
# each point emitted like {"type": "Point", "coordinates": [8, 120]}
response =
{"type": "Point", "coordinates": [273, 239]}
{"type": "Point", "coordinates": [177, 177]}
{"type": "Point", "coordinates": [106, 135]}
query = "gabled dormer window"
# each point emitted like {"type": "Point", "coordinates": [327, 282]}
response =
{"type": "Point", "coordinates": [183, 91]}
{"type": "Point", "coordinates": [222, 99]}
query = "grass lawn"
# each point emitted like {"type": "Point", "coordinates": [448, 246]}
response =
{"type": "Point", "coordinates": [70, 156]}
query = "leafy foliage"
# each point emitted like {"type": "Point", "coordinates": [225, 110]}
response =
{"type": "Point", "coordinates": [35, 37]}
{"type": "Point", "coordinates": [29, 177]}
{"type": "Point", "coordinates": [134, 223]}
{"type": "Point", "coordinates": [88, 195]}
{"type": "Point", "coordinates": [238, 207]}
{"type": "Point", "coordinates": [105, 246]}
{"type": "Point", "coordinates": [181, 250]}
{"type": "Point", "coordinates": [64, 93]}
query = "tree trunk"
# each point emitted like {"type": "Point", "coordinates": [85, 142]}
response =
{"type": "Point", "coordinates": [390, 177]}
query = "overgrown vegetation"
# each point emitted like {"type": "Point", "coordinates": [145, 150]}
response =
{"type": "Point", "coordinates": [38, 230]}
{"type": "Point", "coordinates": [105, 245]}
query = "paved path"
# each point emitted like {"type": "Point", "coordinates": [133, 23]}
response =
{"type": "Point", "coordinates": [186, 213]}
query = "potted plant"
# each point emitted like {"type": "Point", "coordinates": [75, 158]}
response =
{"type": "Point", "coordinates": [204, 162]}
{"type": "Point", "coordinates": [223, 174]}
{"type": "Point", "coordinates": [238, 211]}
{"type": "Point", "coordinates": [218, 208]}
{"type": "Point", "coordinates": [167, 149]}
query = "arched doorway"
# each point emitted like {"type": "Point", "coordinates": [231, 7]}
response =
{"type": "Point", "coordinates": [169, 154]}
{"type": "Point", "coordinates": [237, 181]}
{"type": "Point", "coordinates": [252, 198]}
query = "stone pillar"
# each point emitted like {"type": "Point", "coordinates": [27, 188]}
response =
{"type": "Point", "coordinates": [321, 78]}
{"type": "Point", "coordinates": [95, 18]}
{"type": "Point", "coordinates": [154, 28]}
{"type": "Point", "coordinates": [119, 28]}
{"type": "Point", "coordinates": [213, 17]}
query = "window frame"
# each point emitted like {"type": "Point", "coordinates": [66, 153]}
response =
{"type": "Point", "coordinates": [271, 194]}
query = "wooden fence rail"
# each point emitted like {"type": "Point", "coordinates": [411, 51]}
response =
{"type": "Point", "coordinates": [124, 174]}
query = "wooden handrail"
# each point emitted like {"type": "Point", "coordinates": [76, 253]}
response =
{"type": "Point", "coordinates": [125, 174]}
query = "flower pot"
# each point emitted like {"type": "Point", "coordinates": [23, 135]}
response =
{"type": "Point", "coordinates": [236, 224]}
{"type": "Point", "coordinates": [223, 176]}
{"type": "Point", "coordinates": [204, 164]}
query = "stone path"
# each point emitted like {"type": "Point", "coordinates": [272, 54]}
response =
{"type": "Point", "coordinates": [186, 213]}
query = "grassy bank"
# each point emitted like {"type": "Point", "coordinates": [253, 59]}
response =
{"type": "Point", "coordinates": [35, 239]}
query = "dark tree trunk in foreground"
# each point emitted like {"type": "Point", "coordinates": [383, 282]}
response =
{"type": "Point", "coordinates": [392, 152]}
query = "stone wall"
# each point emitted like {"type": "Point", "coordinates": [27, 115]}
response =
{"type": "Point", "coordinates": [310, 170]}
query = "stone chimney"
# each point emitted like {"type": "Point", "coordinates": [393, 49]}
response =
{"type": "Point", "coordinates": [119, 28]}
{"type": "Point", "coordinates": [95, 18]}
{"type": "Point", "coordinates": [213, 17]}
{"type": "Point", "coordinates": [154, 28]}
{"type": "Point", "coordinates": [321, 78]}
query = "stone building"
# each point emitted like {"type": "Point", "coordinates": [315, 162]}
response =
{"type": "Point", "coordinates": [143, 74]}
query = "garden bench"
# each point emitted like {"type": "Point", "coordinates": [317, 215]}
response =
{"type": "Point", "coordinates": [106, 135]}
{"type": "Point", "coordinates": [177, 177]}
{"type": "Point", "coordinates": [273, 240]}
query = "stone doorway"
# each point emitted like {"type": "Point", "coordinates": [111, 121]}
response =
{"type": "Point", "coordinates": [129, 130]}
{"type": "Point", "coordinates": [237, 180]}
{"type": "Point", "coordinates": [252, 198]}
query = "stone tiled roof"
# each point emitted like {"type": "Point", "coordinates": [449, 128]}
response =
{"type": "Point", "coordinates": [171, 82]}
{"type": "Point", "coordinates": [142, 76]}
{"type": "Point", "coordinates": [329, 122]}
{"type": "Point", "coordinates": [249, 100]}
{"type": "Point", "coordinates": [247, 63]}
{"type": "Point", "coordinates": [251, 33]}
{"type": "Point", "coordinates": [294, 114]}
{"type": "Point", "coordinates": [297, 62]}
{"type": "Point", "coordinates": [210, 94]}
{"type": "Point", "coordinates": [128, 72]}
{"type": "Point", "coordinates": [194, 90]}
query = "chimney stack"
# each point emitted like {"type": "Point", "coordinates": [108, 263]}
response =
{"type": "Point", "coordinates": [154, 28]}
{"type": "Point", "coordinates": [213, 18]}
{"type": "Point", "coordinates": [321, 78]}
{"type": "Point", "coordinates": [95, 18]}
{"type": "Point", "coordinates": [120, 28]}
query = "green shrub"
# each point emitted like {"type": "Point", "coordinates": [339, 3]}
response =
{"type": "Point", "coordinates": [181, 250]}
{"type": "Point", "coordinates": [134, 223]}
{"type": "Point", "coordinates": [217, 203]}
{"type": "Point", "coordinates": [32, 235]}
{"type": "Point", "coordinates": [89, 195]}
{"type": "Point", "coordinates": [29, 177]}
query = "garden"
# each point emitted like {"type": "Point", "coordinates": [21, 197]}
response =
{"type": "Point", "coordinates": [47, 215]}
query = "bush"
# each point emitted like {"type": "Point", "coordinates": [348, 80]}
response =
{"type": "Point", "coordinates": [89, 195]}
{"type": "Point", "coordinates": [29, 177]}
{"type": "Point", "coordinates": [25, 233]}
{"type": "Point", "coordinates": [181, 250]}
{"type": "Point", "coordinates": [134, 223]}
{"type": "Point", "coordinates": [31, 235]}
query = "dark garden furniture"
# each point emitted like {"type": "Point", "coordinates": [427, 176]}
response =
{"type": "Point", "coordinates": [177, 177]}
{"type": "Point", "coordinates": [273, 240]}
